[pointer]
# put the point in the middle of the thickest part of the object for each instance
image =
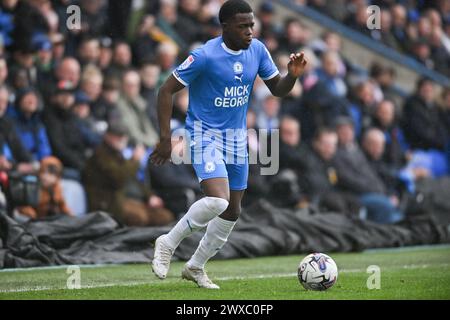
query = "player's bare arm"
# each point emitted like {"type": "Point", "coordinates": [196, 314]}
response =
{"type": "Point", "coordinates": [281, 86]}
{"type": "Point", "coordinates": [163, 149]}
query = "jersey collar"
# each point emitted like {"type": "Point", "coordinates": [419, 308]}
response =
{"type": "Point", "coordinates": [230, 51]}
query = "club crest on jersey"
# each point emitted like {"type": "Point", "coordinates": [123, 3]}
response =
{"type": "Point", "coordinates": [210, 167]}
{"type": "Point", "coordinates": [186, 63]}
{"type": "Point", "coordinates": [238, 68]}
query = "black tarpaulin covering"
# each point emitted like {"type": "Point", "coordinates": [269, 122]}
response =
{"type": "Point", "coordinates": [263, 230]}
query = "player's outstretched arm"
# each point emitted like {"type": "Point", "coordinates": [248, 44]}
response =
{"type": "Point", "coordinates": [163, 149]}
{"type": "Point", "coordinates": [281, 86]}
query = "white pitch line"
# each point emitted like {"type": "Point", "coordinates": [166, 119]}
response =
{"type": "Point", "coordinates": [249, 277]}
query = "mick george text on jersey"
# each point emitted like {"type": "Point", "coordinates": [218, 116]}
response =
{"type": "Point", "coordinates": [235, 96]}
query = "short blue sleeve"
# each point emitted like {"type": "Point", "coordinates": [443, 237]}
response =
{"type": "Point", "coordinates": [267, 68]}
{"type": "Point", "coordinates": [191, 67]}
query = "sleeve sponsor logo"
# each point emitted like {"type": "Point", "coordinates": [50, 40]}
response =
{"type": "Point", "coordinates": [186, 63]}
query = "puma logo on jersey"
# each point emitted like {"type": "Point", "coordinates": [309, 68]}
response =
{"type": "Point", "coordinates": [238, 78]}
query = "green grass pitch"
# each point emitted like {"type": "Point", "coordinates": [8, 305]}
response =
{"type": "Point", "coordinates": [409, 273]}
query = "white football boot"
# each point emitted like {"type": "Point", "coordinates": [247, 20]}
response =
{"type": "Point", "coordinates": [198, 276]}
{"type": "Point", "coordinates": [161, 258]}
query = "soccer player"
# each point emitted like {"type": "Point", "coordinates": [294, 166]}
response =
{"type": "Point", "coordinates": [220, 77]}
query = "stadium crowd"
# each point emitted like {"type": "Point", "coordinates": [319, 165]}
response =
{"type": "Point", "coordinates": [417, 28]}
{"type": "Point", "coordinates": [78, 108]}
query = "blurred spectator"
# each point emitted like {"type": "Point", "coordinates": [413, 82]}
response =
{"type": "Point", "coordinates": [147, 39]}
{"type": "Point", "coordinates": [384, 78]}
{"type": "Point", "coordinates": [132, 108]}
{"type": "Point", "coordinates": [445, 111]}
{"type": "Point", "coordinates": [353, 170]}
{"type": "Point", "coordinates": [319, 178]}
{"type": "Point", "coordinates": [29, 126]}
{"type": "Point", "coordinates": [89, 51]}
{"type": "Point", "coordinates": [395, 143]}
{"type": "Point", "coordinates": [326, 100]}
{"type": "Point", "coordinates": [121, 59]}
{"type": "Point", "coordinates": [180, 107]}
{"type": "Point", "coordinates": [94, 21]}
{"type": "Point", "coordinates": [23, 61]}
{"type": "Point", "coordinates": [106, 53]}
{"type": "Point", "coordinates": [356, 175]}
{"type": "Point", "coordinates": [62, 127]}
{"type": "Point", "coordinates": [285, 186]}
{"type": "Point", "coordinates": [3, 70]}
{"type": "Point", "coordinates": [384, 34]}
{"type": "Point", "coordinates": [51, 198]}
{"type": "Point", "coordinates": [294, 36]}
{"type": "Point", "coordinates": [166, 55]}
{"type": "Point", "coordinates": [268, 117]}
{"type": "Point", "coordinates": [85, 122]}
{"type": "Point", "coordinates": [373, 145]}
{"type": "Point", "coordinates": [181, 28]}
{"type": "Point", "coordinates": [107, 178]}
{"type": "Point", "coordinates": [421, 122]}
{"type": "Point", "coordinates": [13, 155]}
{"type": "Point", "coordinates": [266, 15]}
{"type": "Point", "coordinates": [292, 150]}
{"type": "Point", "coordinates": [150, 75]}
{"type": "Point", "coordinates": [362, 105]}
{"type": "Point", "coordinates": [105, 110]}
{"type": "Point", "coordinates": [399, 22]}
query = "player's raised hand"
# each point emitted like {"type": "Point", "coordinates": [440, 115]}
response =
{"type": "Point", "coordinates": [162, 152]}
{"type": "Point", "coordinates": [296, 64]}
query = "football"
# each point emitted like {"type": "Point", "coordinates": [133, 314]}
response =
{"type": "Point", "coordinates": [318, 272]}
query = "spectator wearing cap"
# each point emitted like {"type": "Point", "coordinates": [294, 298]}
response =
{"type": "Point", "coordinates": [13, 155]}
{"type": "Point", "coordinates": [107, 175]}
{"type": "Point", "coordinates": [29, 125]}
{"type": "Point", "coordinates": [44, 58]}
{"type": "Point", "coordinates": [65, 136]}
{"type": "Point", "coordinates": [132, 107]}
{"type": "Point", "coordinates": [23, 61]}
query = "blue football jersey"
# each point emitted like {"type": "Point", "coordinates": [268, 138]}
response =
{"type": "Point", "coordinates": [220, 82]}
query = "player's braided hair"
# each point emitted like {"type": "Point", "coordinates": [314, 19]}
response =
{"type": "Point", "coordinates": [232, 7]}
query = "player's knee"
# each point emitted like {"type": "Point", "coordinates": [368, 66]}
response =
{"type": "Point", "coordinates": [232, 213]}
{"type": "Point", "coordinates": [217, 205]}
